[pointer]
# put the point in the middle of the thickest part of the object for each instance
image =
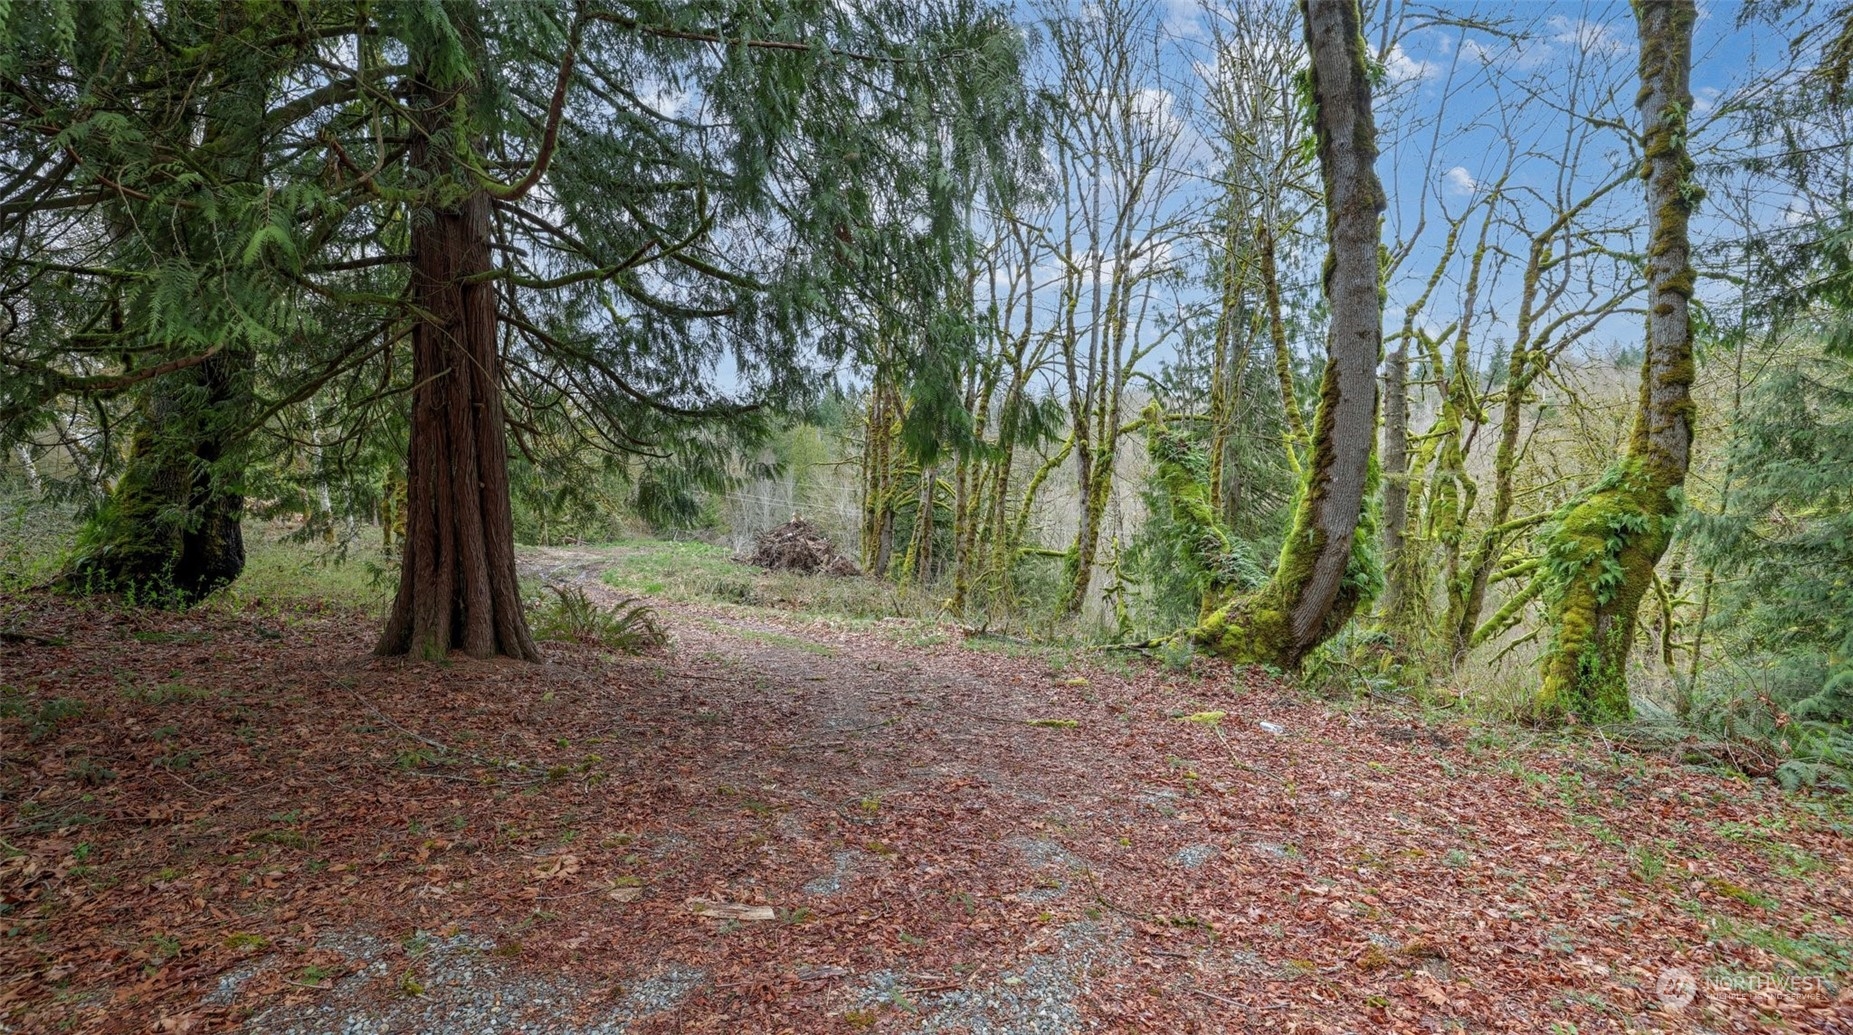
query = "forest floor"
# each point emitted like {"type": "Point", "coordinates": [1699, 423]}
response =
{"type": "Point", "coordinates": [236, 817]}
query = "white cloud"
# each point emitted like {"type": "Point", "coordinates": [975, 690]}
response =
{"type": "Point", "coordinates": [1404, 69]}
{"type": "Point", "coordinates": [662, 98]}
{"type": "Point", "coordinates": [1799, 212]}
{"type": "Point", "coordinates": [1147, 258]}
{"type": "Point", "coordinates": [1183, 19]}
{"type": "Point", "coordinates": [1459, 181]}
{"type": "Point", "coordinates": [1583, 34]}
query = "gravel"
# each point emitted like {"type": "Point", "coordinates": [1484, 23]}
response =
{"type": "Point", "coordinates": [1047, 854]}
{"type": "Point", "coordinates": [1041, 998]}
{"type": "Point", "coordinates": [1192, 856]}
{"type": "Point", "coordinates": [831, 883]}
{"type": "Point", "coordinates": [467, 991]}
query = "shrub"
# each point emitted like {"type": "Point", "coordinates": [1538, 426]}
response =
{"type": "Point", "coordinates": [629, 626]}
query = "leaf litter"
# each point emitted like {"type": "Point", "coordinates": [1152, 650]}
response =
{"type": "Point", "coordinates": [219, 823]}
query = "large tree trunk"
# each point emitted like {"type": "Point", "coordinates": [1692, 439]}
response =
{"type": "Point", "coordinates": [1327, 568]}
{"type": "Point", "coordinates": [170, 533]}
{"type": "Point", "coordinates": [457, 586]}
{"type": "Point", "coordinates": [1603, 550]}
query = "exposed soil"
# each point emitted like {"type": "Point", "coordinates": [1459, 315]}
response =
{"type": "Point", "coordinates": [252, 822]}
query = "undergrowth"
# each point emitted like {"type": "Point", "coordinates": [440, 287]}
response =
{"type": "Point", "coordinates": [629, 627]}
{"type": "Point", "coordinates": [1735, 720]}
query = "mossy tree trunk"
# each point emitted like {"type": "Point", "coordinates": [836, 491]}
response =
{"type": "Point", "coordinates": [968, 483]}
{"type": "Point", "coordinates": [1396, 472]}
{"type": "Point", "coordinates": [1327, 568]}
{"type": "Point", "coordinates": [1604, 546]}
{"type": "Point", "coordinates": [1404, 606]}
{"type": "Point", "coordinates": [880, 454]}
{"type": "Point", "coordinates": [170, 531]}
{"type": "Point", "coordinates": [1117, 174]}
{"type": "Point", "coordinates": [1294, 432]}
{"type": "Point", "coordinates": [920, 562]}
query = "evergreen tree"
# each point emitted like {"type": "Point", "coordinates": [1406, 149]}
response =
{"type": "Point", "coordinates": [1787, 535]}
{"type": "Point", "coordinates": [135, 177]}
{"type": "Point", "coordinates": [652, 221]}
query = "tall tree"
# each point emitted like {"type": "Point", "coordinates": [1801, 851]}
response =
{"type": "Point", "coordinates": [1327, 567]}
{"type": "Point", "coordinates": [1118, 148]}
{"type": "Point", "coordinates": [795, 170]}
{"type": "Point", "coordinates": [574, 212]}
{"type": "Point", "coordinates": [457, 585]}
{"type": "Point", "coordinates": [1603, 546]}
{"type": "Point", "coordinates": [135, 178]}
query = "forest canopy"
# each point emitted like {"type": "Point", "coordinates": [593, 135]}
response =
{"type": "Point", "coordinates": [1498, 353]}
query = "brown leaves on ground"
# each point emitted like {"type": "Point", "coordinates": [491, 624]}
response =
{"type": "Point", "coordinates": [202, 814]}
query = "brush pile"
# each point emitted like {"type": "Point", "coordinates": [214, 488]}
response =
{"type": "Point", "coordinates": [797, 545]}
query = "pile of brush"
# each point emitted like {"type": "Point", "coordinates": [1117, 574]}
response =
{"type": "Point", "coordinates": [797, 545]}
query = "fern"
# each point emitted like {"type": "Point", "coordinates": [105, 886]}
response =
{"type": "Point", "coordinates": [628, 626]}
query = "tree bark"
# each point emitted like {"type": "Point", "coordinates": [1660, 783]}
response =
{"type": "Point", "coordinates": [1396, 473]}
{"type": "Point", "coordinates": [1604, 546]}
{"type": "Point", "coordinates": [457, 586]}
{"type": "Point", "coordinates": [1327, 567]}
{"type": "Point", "coordinates": [918, 566]}
{"type": "Point", "coordinates": [170, 532]}
{"type": "Point", "coordinates": [1294, 435]}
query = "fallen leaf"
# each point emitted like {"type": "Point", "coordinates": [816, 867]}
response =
{"type": "Point", "coordinates": [730, 910]}
{"type": "Point", "coordinates": [560, 866]}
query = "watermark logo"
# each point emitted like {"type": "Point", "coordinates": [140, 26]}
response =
{"type": "Point", "coordinates": [1676, 988]}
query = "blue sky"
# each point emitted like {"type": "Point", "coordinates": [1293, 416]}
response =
{"type": "Point", "coordinates": [1537, 96]}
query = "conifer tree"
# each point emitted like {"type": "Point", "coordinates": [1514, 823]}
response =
{"type": "Point", "coordinates": [652, 221]}
{"type": "Point", "coordinates": [136, 170]}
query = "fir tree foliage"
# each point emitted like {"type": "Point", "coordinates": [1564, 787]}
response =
{"type": "Point", "coordinates": [1786, 540]}
{"type": "Point", "coordinates": [694, 209]}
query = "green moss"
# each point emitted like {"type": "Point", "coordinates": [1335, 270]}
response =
{"type": "Point", "coordinates": [1598, 564]}
{"type": "Point", "coordinates": [1258, 628]}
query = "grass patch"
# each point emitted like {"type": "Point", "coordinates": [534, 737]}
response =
{"type": "Point", "coordinates": [783, 640]}
{"type": "Point", "coordinates": [1826, 953]}
{"type": "Point", "coordinates": [168, 693]}
{"type": "Point", "coordinates": [35, 535]}
{"type": "Point", "coordinates": [704, 573]}
{"type": "Point", "coordinates": [42, 719]}
{"type": "Point", "coordinates": [678, 571]}
{"type": "Point", "coordinates": [283, 575]}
